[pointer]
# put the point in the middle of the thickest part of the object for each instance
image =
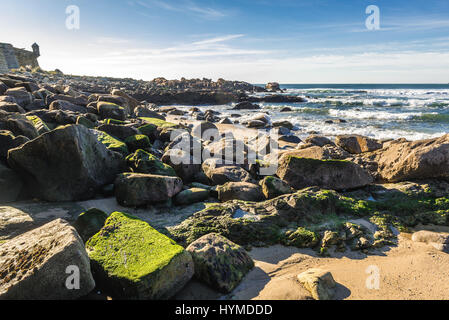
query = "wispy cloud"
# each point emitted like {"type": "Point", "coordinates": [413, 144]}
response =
{"type": "Point", "coordinates": [219, 39]}
{"type": "Point", "coordinates": [185, 6]}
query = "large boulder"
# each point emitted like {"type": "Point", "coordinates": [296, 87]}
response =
{"type": "Point", "coordinates": [65, 164]}
{"type": "Point", "coordinates": [423, 159]}
{"type": "Point", "coordinates": [240, 191]}
{"type": "Point", "coordinates": [137, 189]}
{"type": "Point", "coordinates": [357, 144]}
{"type": "Point", "coordinates": [141, 111]}
{"type": "Point", "coordinates": [439, 241]}
{"type": "Point", "coordinates": [219, 262]}
{"type": "Point", "coordinates": [329, 174]}
{"type": "Point", "coordinates": [246, 105]}
{"type": "Point", "coordinates": [44, 264]}
{"type": "Point", "coordinates": [150, 265]}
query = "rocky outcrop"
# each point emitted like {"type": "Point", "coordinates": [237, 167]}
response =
{"type": "Point", "coordinates": [423, 159]}
{"type": "Point", "coordinates": [150, 265]}
{"type": "Point", "coordinates": [137, 189]}
{"type": "Point", "coordinates": [65, 164]}
{"type": "Point", "coordinates": [332, 174]}
{"type": "Point", "coordinates": [219, 262]}
{"type": "Point", "coordinates": [45, 263]}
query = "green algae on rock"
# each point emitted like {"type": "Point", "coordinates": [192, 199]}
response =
{"type": "Point", "coordinates": [219, 262]}
{"type": "Point", "coordinates": [40, 125]}
{"type": "Point", "coordinates": [131, 260]}
{"type": "Point", "coordinates": [142, 161]}
{"type": "Point", "coordinates": [138, 141]}
{"type": "Point", "coordinates": [111, 143]}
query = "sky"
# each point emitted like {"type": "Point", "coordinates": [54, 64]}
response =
{"type": "Point", "coordinates": [287, 41]}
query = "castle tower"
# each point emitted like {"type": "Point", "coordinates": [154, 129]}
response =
{"type": "Point", "coordinates": [36, 50]}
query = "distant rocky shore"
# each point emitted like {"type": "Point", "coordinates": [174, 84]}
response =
{"type": "Point", "coordinates": [69, 141]}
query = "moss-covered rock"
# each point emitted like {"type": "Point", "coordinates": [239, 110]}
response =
{"type": "Point", "coordinates": [90, 222]}
{"type": "Point", "coordinates": [158, 122]}
{"type": "Point", "coordinates": [131, 260]}
{"type": "Point", "coordinates": [138, 141]}
{"type": "Point", "coordinates": [219, 262]}
{"type": "Point", "coordinates": [273, 187]}
{"type": "Point", "coordinates": [40, 125]}
{"type": "Point", "coordinates": [111, 143]}
{"type": "Point", "coordinates": [144, 162]}
{"type": "Point", "coordinates": [301, 238]}
{"type": "Point", "coordinates": [85, 122]}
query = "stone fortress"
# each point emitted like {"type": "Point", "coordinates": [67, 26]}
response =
{"type": "Point", "coordinates": [14, 58]}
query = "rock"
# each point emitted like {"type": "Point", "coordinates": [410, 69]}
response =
{"type": "Point", "coordinates": [118, 131]}
{"type": "Point", "coordinates": [329, 174]}
{"type": "Point", "coordinates": [246, 106]}
{"type": "Point", "coordinates": [273, 86]}
{"type": "Point", "coordinates": [356, 144]}
{"type": "Point", "coordinates": [290, 139]}
{"type": "Point", "coordinates": [79, 100]}
{"type": "Point", "coordinates": [219, 262]}
{"type": "Point", "coordinates": [8, 141]}
{"type": "Point", "coordinates": [284, 123]}
{"type": "Point", "coordinates": [137, 189]}
{"type": "Point", "coordinates": [145, 112]}
{"type": "Point", "coordinates": [318, 140]}
{"type": "Point", "coordinates": [110, 110]}
{"type": "Point", "coordinates": [144, 162]}
{"type": "Point", "coordinates": [273, 187]}
{"type": "Point", "coordinates": [67, 106]}
{"type": "Point", "coordinates": [226, 121]}
{"type": "Point", "coordinates": [186, 165]}
{"type": "Point", "coordinates": [327, 152]}
{"type": "Point", "coordinates": [319, 283]}
{"type": "Point", "coordinates": [11, 107]}
{"type": "Point", "coordinates": [139, 141]}
{"type": "Point", "coordinates": [18, 124]}
{"type": "Point", "coordinates": [192, 195]}
{"type": "Point", "coordinates": [150, 265]}
{"type": "Point", "coordinates": [256, 124]}
{"type": "Point", "coordinates": [111, 143]}
{"type": "Point", "coordinates": [222, 173]}
{"type": "Point", "coordinates": [439, 241]}
{"type": "Point", "coordinates": [21, 96]}
{"type": "Point", "coordinates": [132, 103]}
{"type": "Point", "coordinates": [286, 109]}
{"type": "Point", "coordinates": [10, 184]}
{"type": "Point", "coordinates": [40, 125]}
{"type": "Point", "coordinates": [37, 265]}
{"type": "Point", "coordinates": [65, 164]}
{"type": "Point", "coordinates": [422, 159]}
{"type": "Point", "coordinates": [240, 191]}
{"type": "Point", "coordinates": [89, 223]}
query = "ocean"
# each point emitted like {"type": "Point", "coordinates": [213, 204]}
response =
{"type": "Point", "coordinates": [381, 111]}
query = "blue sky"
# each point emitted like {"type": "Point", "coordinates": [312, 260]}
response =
{"type": "Point", "coordinates": [289, 41]}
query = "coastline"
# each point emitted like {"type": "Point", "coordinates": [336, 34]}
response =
{"type": "Point", "coordinates": [340, 204]}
